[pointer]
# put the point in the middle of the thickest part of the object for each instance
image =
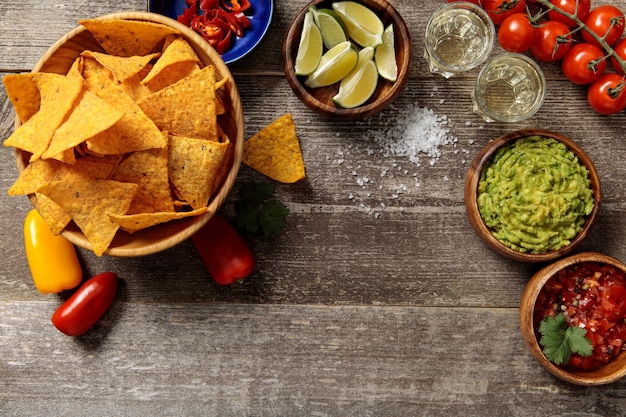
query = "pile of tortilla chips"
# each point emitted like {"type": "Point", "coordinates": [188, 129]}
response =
{"type": "Point", "coordinates": [127, 139]}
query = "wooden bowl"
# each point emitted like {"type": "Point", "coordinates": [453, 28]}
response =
{"type": "Point", "coordinates": [320, 99]}
{"type": "Point", "coordinates": [60, 57]}
{"type": "Point", "coordinates": [471, 187]}
{"type": "Point", "coordinates": [603, 375]}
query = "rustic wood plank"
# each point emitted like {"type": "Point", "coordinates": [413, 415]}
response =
{"type": "Point", "coordinates": [290, 360]}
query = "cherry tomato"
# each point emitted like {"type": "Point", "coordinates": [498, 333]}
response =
{"type": "Point", "coordinates": [517, 33]}
{"type": "Point", "coordinates": [87, 305]}
{"type": "Point", "coordinates": [553, 41]}
{"type": "Point", "coordinates": [607, 94]}
{"type": "Point", "coordinates": [584, 63]}
{"type": "Point", "coordinates": [620, 49]}
{"type": "Point", "coordinates": [604, 21]}
{"type": "Point", "coordinates": [569, 6]}
{"type": "Point", "coordinates": [499, 10]}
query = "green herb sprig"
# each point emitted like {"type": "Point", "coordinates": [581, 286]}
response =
{"type": "Point", "coordinates": [560, 340]}
{"type": "Point", "coordinates": [258, 212]}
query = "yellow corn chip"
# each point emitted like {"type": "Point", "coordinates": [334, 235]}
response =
{"type": "Point", "coordinates": [193, 167]}
{"type": "Point", "coordinates": [89, 202]}
{"type": "Point", "coordinates": [91, 116]}
{"type": "Point", "coordinates": [134, 131]}
{"type": "Point", "coordinates": [186, 108]}
{"type": "Point", "coordinates": [54, 216]}
{"type": "Point", "coordinates": [132, 223]}
{"type": "Point", "coordinates": [23, 92]}
{"type": "Point", "coordinates": [178, 60]}
{"type": "Point", "coordinates": [35, 135]}
{"type": "Point", "coordinates": [122, 68]}
{"type": "Point", "coordinates": [275, 151]}
{"type": "Point", "coordinates": [148, 169]}
{"type": "Point", "coordinates": [127, 37]}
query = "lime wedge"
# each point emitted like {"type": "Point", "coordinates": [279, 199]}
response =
{"type": "Point", "coordinates": [362, 24]}
{"type": "Point", "coordinates": [335, 64]}
{"type": "Point", "coordinates": [330, 26]}
{"type": "Point", "coordinates": [359, 85]}
{"type": "Point", "coordinates": [385, 56]}
{"type": "Point", "coordinates": [310, 47]}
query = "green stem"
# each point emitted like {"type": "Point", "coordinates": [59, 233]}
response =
{"type": "Point", "coordinates": [600, 39]}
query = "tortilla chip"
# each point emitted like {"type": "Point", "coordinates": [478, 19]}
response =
{"type": "Point", "coordinates": [122, 68]}
{"type": "Point", "coordinates": [148, 169]}
{"type": "Point", "coordinates": [193, 167]}
{"type": "Point", "coordinates": [23, 92]}
{"type": "Point", "coordinates": [90, 116]}
{"type": "Point", "coordinates": [177, 62]}
{"type": "Point", "coordinates": [127, 37]}
{"type": "Point", "coordinates": [55, 217]}
{"type": "Point", "coordinates": [89, 202]}
{"type": "Point", "coordinates": [186, 108]}
{"type": "Point", "coordinates": [44, 171]}
{"type": "Point", "coordinates": [35, 135]}
{"type": "Point", "coordinates": [132, 223]}
{"type": "Point", "coordinates": [133, 132]}
{"type": "Point", "coordinates": [275, 151]}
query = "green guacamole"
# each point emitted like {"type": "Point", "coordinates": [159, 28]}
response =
{"type": "Point", "coordinates": [534, 195]}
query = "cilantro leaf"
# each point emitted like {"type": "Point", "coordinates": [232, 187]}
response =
{"type": "Point", "coordinates": [258, 213]}
{"type": "Point", "coordinates": [560, 340]}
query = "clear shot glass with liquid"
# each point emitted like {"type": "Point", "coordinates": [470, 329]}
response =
{"type": "Point", "coordinates": [459, 36]}
{"type": "Point", "coordinates": [510, 88]}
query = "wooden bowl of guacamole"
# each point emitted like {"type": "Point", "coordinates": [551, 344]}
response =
{"type": "Point", "coordinates": [532, 195]}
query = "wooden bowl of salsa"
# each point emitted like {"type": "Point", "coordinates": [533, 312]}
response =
{"type": "Point", "coordinates": [584, 296]}
{"type": "Point", "coordinates": [532, 195]}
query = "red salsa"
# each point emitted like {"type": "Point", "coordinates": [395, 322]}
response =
{"type": "Point", "coordinates": [592, 296]}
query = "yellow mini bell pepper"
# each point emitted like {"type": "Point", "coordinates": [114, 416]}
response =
{"type": "Point", "coordinates": [52, 259]}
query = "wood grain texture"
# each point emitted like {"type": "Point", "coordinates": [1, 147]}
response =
{"type": "Point", "coordinates": [379, 300]}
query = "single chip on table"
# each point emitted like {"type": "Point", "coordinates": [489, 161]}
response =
{"type": "Point", "coordinates": [194, 165]}
{"type": "Point", "coordinates": [275, 151]}
{"type": "Point", "coordinates": [187, 107]}
{"type": "Point", "coordinates": [132, 223]}
{"type": "Point", "coordinates": [122, 68]}
{"type": "Point", "coordinates": [89, 203]}
{"type": "Point", "coordinates": [149, 170]}
{"type": "Point", "coordinates": [127, 38]}
{"type": "Point", "coordinates": [35, 135]}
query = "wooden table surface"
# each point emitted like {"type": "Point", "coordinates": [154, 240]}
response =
{"type": "Point", "coordinates": [378, 300]}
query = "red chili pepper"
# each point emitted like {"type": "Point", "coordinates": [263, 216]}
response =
{"type": "Point", "coordinates": [235, 5]}
{"type": "Point", "coordinates": [87, 305]}
{"type": "Point", "coordinates": [224, 251]}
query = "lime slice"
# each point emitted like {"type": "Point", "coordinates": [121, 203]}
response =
{"type": "Point", "coordinates": [330, 26]}
{"type": "Point", "coordinates": [385, 56]}
{"type": "Point", "coordinates": [335, 64]}
{"type": "Point", "coordinates": [310, 48]}
{"type": "Point", "coordinates": [362, 24]}
{"type": "Point", "coordinates": [359, 85]}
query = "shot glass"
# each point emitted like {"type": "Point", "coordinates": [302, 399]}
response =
{"type": "Point", "coordinates": [459, 37]}
{"type": "Point", "coordinates": [510, 88]}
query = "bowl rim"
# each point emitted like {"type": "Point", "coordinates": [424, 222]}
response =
{"type": "Point", "coordinates": [616, 368]}
{"type": "Point", "coordinates": [471, 186]}
{"type": "Point", "coordinates": [289, 55]}
{"type": "Point", "coordinates": [72, 233]}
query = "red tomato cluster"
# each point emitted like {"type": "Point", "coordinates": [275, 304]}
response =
{"type": "Point", "coordinates": [530, 26]}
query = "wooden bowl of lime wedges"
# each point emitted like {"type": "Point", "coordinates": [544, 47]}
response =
{"type": "Point", "coordinates": [348, 59]}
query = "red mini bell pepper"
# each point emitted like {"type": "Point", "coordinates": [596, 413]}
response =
{"type": "Point", "coordinates": [87, 305]}
{"type": "Point", "coordinates": [224, 251]}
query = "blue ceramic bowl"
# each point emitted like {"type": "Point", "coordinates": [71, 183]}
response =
{"type": "Point", "coordinates": [260, 15]}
